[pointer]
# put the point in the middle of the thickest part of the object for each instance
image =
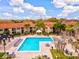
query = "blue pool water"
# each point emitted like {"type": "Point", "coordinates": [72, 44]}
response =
{"type": "Point", "coordinates": [33, 43]}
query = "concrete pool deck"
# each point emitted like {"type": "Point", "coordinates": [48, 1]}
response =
{"type": "Point", "coordinates": [45, 50]}
{"type": "Point", "coordinates": [29, 55]}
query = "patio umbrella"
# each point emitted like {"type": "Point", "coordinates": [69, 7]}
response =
{"type": "Point", "coordinates": [38, 31]}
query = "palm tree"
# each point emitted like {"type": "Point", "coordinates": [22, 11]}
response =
{"type": "Point", "coordinates": [69, 30]}
{"type": "Point", "coordinates": [27, 26]}
{"type": "Point", "coordinates": [9, 38]}
{"type": "Point", "coordinates": [0, 39]}
{"type": "Point", "coordinates": [40, 25]}
{"type": "Point", "coordinates": [76, 28]}
{"type": "Point", "coordinates": [4, 43]}
{"type": "Point", "coordinates": [4, 38]}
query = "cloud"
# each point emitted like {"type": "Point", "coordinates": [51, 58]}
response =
{"type": "Point", "coordinates": [19, 17]}
{"type": "Point", "coordinates": [47, 16]}
{"type": "Point", "coordinates": [6, 14]}
{"type": "Point", "coordinates": [59, 3]}
{"type": "Point", "coordinates": [27, 17]}
{"type": "Point", "coordinates": [16, 2]}
{"type": "Point", "coordinates": [22, 6]}
{"type": "Point", "coordinates": [27, 6]}
{"type": "Point", "coordinates": [72, 2]}
{"type": "Point", "coordinates": [18, 10]}
{"type": "Point", "coordinates": [38, 10]}
{"type": "Point", "coordinates": [69, 6]}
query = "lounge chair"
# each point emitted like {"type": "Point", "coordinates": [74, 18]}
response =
{"type": "Point", "coordinates": [12, 55]}
{"type": "Point", "coordinates": [17, 42]}
{"type": "Point", "coordinates": [48, 45]}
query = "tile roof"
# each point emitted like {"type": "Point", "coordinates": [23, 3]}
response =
{"type": "Point", "coordinates": [69, 23]}
{"type": "Point", "coordinates": [5, 21]}
{"type": "Point", "coordinates": [11, 25]}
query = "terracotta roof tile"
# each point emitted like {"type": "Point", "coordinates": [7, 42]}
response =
{"type": "Point", "coordinates": [11, 25]}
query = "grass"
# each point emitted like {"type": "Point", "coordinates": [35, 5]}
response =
{"type": "Point", "coordinates": [58, 54]}
{"type": "Point", "coordinates": [76, 44]}
{"type": "Point", "coordinates": [1, 54]}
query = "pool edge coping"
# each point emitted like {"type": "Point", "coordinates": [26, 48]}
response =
{"type": "Point", "coordinates": [39, 44]}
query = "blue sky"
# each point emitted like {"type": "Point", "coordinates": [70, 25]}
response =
{"type": "Point", "coordinates": [33, 9]}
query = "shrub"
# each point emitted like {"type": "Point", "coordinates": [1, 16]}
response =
{"type": "Point", "coordinates": [26, 32]}
{"type": "Point", "coordinates": [17, 33]}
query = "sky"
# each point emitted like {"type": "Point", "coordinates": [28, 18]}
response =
{"type": "Point", "coordinates": [34, 9]}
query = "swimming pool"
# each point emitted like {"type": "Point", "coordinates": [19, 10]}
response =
{"type": "Point", "coordinates": [33, 43]}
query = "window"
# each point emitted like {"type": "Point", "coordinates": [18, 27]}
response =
{"type": "Point", "coordinates": [13, 29]}
{"type": "Point", "coordinates": [1, 29]}
{"type": "Point", "coordinates": [18, 28]}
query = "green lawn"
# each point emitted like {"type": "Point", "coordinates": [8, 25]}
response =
{"type": "Point", "coordinates": [58, 54]}
{"type": "Point", "coordinates": [1, 56]}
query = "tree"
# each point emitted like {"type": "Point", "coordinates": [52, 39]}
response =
{"type": "Point", "coordinates": [4, 38]}
{"type": "Point", "coordinates": [40, 24]}
{"type": "Point", "coordinates": [52, 19]}
{"type": "Point", "coordinates": [27, 26]}
{"type": "Point", "coordinates": [76, 29]}
{"type": "Point", "coordinates": [17, 21]}
{"type": "Point", "coordinates": [58, 27]}
{"type": "Point", "coordinates": [6, 31]}
{"type": "Point", "coordinates": [4, 43]}
{"type": "Point", "coordinates": [69, 30]}
{"type": "Point", "coordinates": [9, 38]}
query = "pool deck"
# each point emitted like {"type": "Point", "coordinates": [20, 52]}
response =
{"type": "Point", "coordinates": [29, 55]}
{"type": "Point", "coordinates": [45, 50]}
